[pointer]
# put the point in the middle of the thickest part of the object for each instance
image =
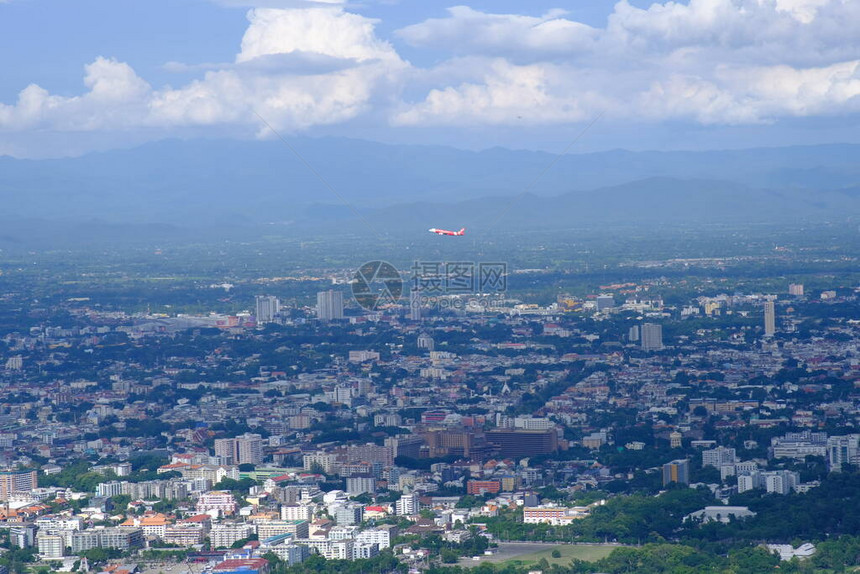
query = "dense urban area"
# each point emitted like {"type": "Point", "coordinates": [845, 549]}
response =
{"type": "Point", "coordinates": [169, 411]}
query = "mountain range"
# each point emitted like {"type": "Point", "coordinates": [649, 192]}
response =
{"type": "Point", "coordinates": [174, 185]}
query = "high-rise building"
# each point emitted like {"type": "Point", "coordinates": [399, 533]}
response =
{"type": "Point", "coordinates": [415, 305]}
{"type": "Point", "coordinates": [796, 289]}
{"type": "Point", "coordinates": [226, 449]}
{"type": "Point", "coordinates": [633, 334]}
{"type": "Point", "coordinates": [676, 471]}
{"type": "Point", "coordinates": [244, 449]}
{"type": "Point", "coordinates": [249, 449]}
{"type": "Point", "coordinates": [329, 305]}
{"type": "Point", "coordinates": [769, 319]}
{"type": "Point", "coordinates": [652, 337]}
{"type": "Point", "coordinates": [267, 307]}
{"type": "Point", "coordinates": [408, 504]}
{"type": "Point", "coordinates": [16, 481]}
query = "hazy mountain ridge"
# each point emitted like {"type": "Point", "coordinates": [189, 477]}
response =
{"type": "Point", "coordinates": [204, 183]}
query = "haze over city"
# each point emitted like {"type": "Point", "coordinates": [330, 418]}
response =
{"type": "Point", "coordinates": [323, 286]}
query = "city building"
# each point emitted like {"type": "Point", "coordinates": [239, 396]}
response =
{"type": "Point", "coordinates": [769, 318]}
{"type": "Point", "coordinates": [521, 442]}
{"type": "Point", "coordinates": [408, 504]}
{"type": "Point", "coordinates": [267, 308]}
{"type": "Point", "coordinates": [718, 457]}
{"type": "Point", "coordinates": [652, 337]}
{"type": "Point", "coordinates": [243, 449]}
{"type": "Point", "coordinates": [216, 502]}
{"type": "Point", "coordinates": [605, 302]}
{"type": "Point", "coordinates": [677, 471]}
{"type": "Point", "coordinates": [356, 485]}
{"type": "Point", "coordinates": [269, 528]}
{"type": "Point", "coordinates": [51, 545]}
{"type": "Point", "coordinates": [415, 305]}
{"type": "Point", "coordinates": [12, 481]}
{"type": "Point", "coordinates": [329, 305]}
{"type": "Point", "coordinates": [225, 534]}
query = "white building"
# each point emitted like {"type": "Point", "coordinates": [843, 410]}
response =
{"type": "Point", "coordinates": [329, 305]}
{"type": "Point", "coordinates": [718, 457]}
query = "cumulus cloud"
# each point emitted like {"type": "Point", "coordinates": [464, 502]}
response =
{"type": "Point", "coordinates": [323, 31]}
{"type": "Point", "coordinates": [297, 68]}
{"type": "Point", "coordinates": [303, 63]}
{"type": "Point", "coordinates": [504, 94]}
{"type": "Point", "coordinates": [116, 99]}
{"type": "Point", "coordinates": [709, 61]}
{"type": "Point", "coordinates": [469, 31]}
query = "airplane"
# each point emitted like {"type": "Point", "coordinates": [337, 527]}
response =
{"type": "Point", "coordinates": [446, 232]}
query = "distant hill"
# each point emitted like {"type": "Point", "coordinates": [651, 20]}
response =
{"type": "Point", "coordinates": [213, 183]}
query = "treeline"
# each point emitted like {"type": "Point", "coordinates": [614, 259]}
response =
{"type": "Point", "coordinates": [628, 519]}
{"type": "Point", "coordinates": [834, 556]}
{"type": "Point", "coordinates": [829, 510]}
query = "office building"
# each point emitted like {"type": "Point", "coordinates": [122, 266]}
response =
{"type": "Point", "coordinates": [329, 305]}
{"type": "Point", "coordinates": [769, 319]}
{"type": "Point", "coordinates": [652, 337]}
{"type": "Point", "coordinates": [677, 471]}
{"type": "Point", "coordinates": [267, 308]}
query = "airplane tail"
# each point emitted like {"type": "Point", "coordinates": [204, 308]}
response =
{"type": "Point", "coordinates": [462, 231]}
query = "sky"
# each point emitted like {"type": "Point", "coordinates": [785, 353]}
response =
{"type": "Point", "coordinates": [95, 75]}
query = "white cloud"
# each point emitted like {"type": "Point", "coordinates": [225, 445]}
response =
{"type": "Point", "coordinates": [468, 31]}
{"type": "Point", "coordinates": [116, 100]}
{"type": "Point", "coordinates": [326, 31]}
{"type": "Point", "coordinates": [296, 68]}
{"type": "Point", "coordinates": [709, 62]}
{"type": "Point", "coordinates": [506, 94]}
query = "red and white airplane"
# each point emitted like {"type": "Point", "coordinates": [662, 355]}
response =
{"type": "Point", "coordinates": [446, 232]}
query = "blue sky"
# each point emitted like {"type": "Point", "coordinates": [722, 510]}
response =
{"type": "Point", "coordinates": [92, 75]}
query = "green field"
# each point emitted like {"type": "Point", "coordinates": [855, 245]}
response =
{"type": "Point", "coordinates": [520, 554]}
{"type": "Point", "coordinates": [568, 553]}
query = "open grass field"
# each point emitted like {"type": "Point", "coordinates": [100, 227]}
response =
{"type": "Point", "coordinates": [524, 553]}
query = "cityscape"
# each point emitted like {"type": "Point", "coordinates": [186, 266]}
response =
{"type": "Point", "coordinates": [389, 287]}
